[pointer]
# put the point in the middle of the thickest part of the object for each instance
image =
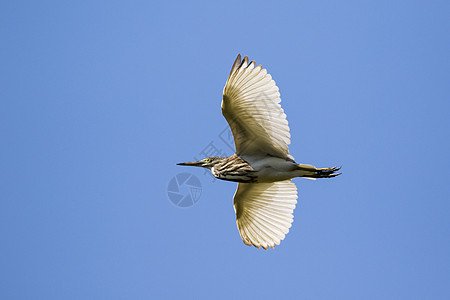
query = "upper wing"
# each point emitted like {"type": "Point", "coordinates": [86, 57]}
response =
{"type": "Point", "coordinates": [251, 106]}
{"type": "Point", "coordinates": [264, 212]}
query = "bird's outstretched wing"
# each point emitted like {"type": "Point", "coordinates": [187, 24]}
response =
{"type": "Point", "coordinates": [264, 212]}
{"type": "Point", "coordinates": [251, 107]}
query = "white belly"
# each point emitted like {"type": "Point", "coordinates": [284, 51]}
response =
{"type": "Point", "coordinates": [271, 169]}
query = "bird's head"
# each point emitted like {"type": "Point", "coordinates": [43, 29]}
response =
{"type": "Point", "coordinates": [204, 163]}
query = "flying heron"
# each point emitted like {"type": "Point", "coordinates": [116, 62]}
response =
{"type": "Point", "coordinates": [265, 198]}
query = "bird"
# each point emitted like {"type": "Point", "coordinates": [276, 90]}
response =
{"type": "Point", "coordinates": [262, 166]}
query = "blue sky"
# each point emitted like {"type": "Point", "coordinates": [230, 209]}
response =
{"type": "Point", "coordinates": [101, 99]}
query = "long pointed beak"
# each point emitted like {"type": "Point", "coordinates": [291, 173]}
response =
{"type": "Point", "coordinates": [193, 163]}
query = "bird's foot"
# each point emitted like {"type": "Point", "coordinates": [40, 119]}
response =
{"type": "Point", "coordinates": [326, 172]}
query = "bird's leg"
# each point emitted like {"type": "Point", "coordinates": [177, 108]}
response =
{"type": "Point", "coordinates": [313, 172]}
{"type": "Point", "coordinates": [326, 172]}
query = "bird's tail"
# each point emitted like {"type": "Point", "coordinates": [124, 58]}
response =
{"type": "Point", "coordinates": [311, 172]}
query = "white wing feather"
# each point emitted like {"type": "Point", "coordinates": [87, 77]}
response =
{"type": "Point", "coordinates": [251, 107]}
{"type": "Point", "coordinates": [264, 212]}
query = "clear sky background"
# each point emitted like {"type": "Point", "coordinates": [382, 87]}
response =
{"type": "Point", "coordinates": [99, 100]}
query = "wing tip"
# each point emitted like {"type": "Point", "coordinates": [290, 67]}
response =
{"type": "Point", "coordinates": [236, 64]}
{"type": "Point", "coordinates": [265, 245]}
{"type": "Point", "coordinates": [244, 61]}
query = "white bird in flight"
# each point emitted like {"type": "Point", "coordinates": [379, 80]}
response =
{"type": "Point", "coordinates": [265, 199]}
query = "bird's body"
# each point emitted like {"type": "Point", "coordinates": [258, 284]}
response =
{"type": "Point", "coordinates": [271, 168]}
{"type": "Point", "coordinates": [254, 169]}
{"type": "Point", "coordinates": [266, 197]}
{"type": "Point", "coordinates": [263, 169]}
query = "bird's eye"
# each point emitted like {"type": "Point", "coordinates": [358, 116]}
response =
{"type": "Point", "coordinates": [208, 160]}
